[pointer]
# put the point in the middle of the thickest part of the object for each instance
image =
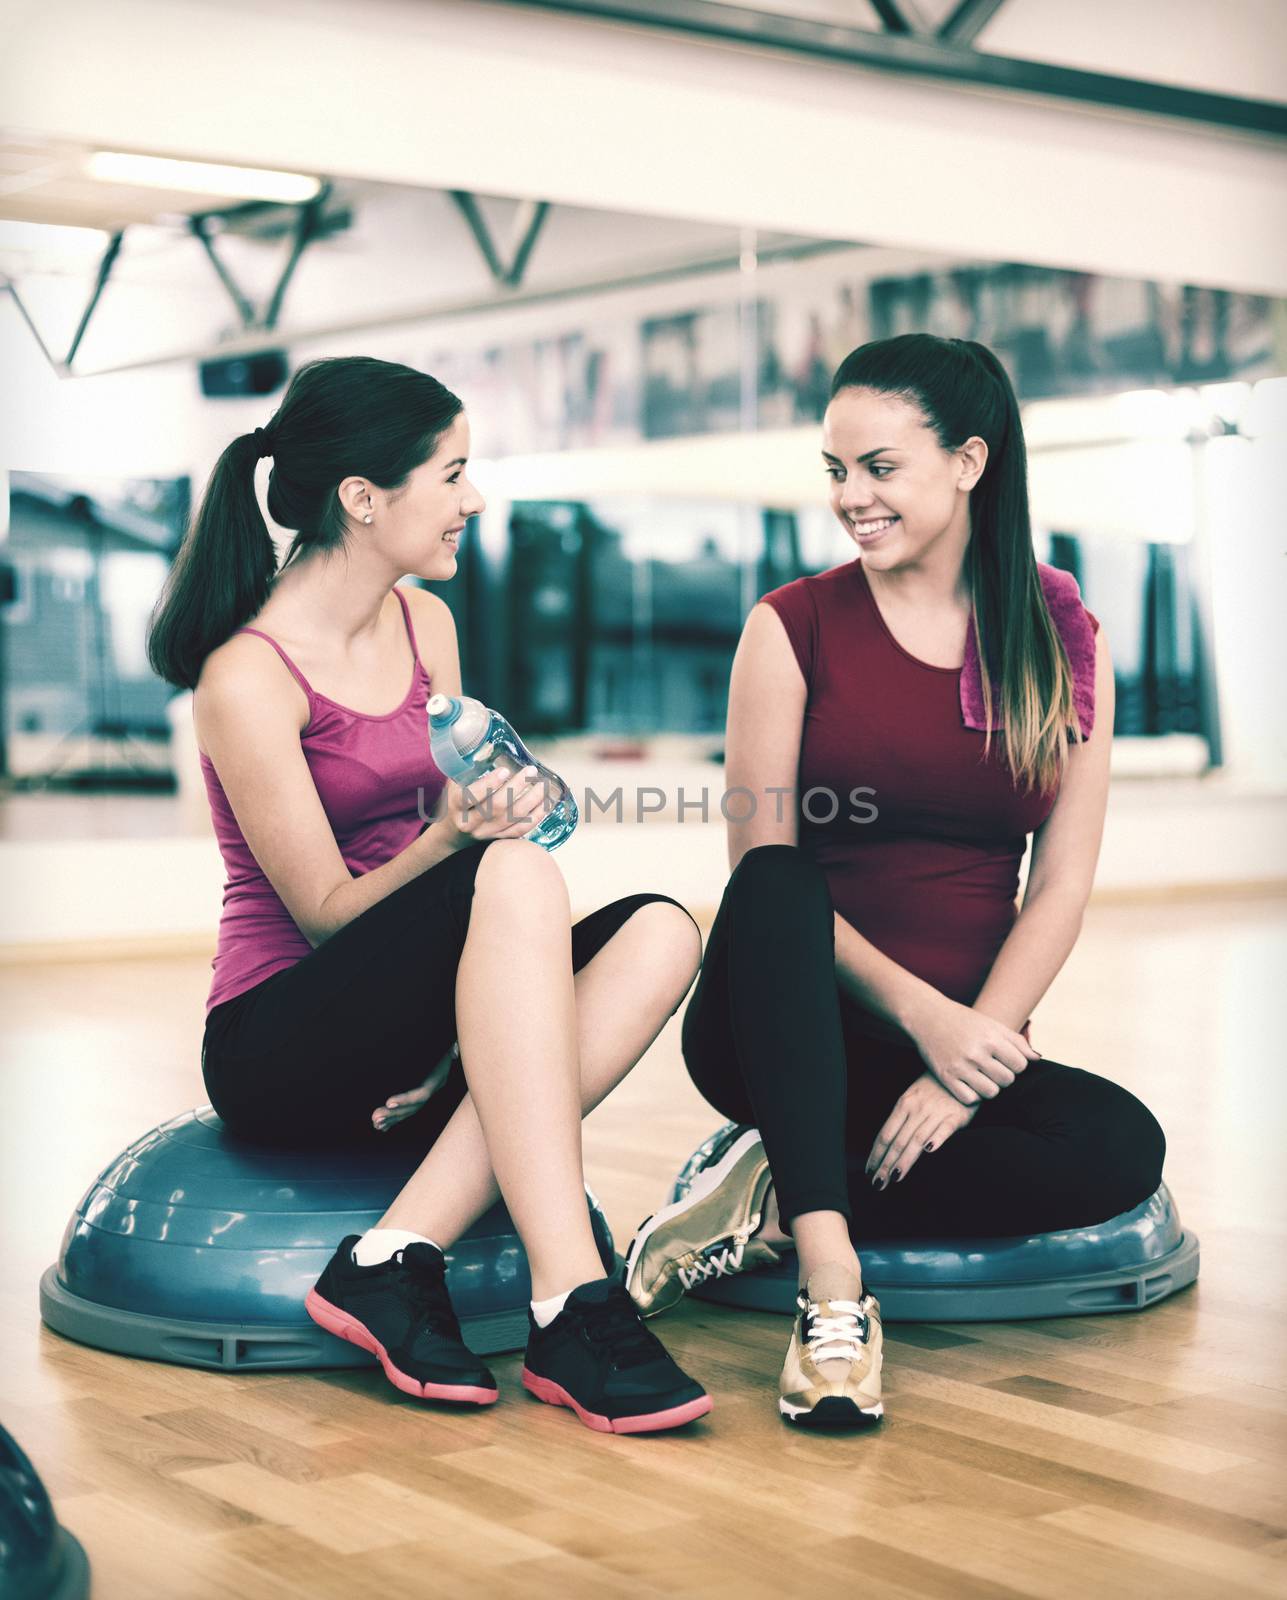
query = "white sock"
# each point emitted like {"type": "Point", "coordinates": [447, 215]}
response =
{"type": "Point", "coordinates": [545, 1311]}
{"type": "Point", "coordinates": [382, 1244]}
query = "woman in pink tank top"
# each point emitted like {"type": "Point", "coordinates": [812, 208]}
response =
{"type": "Point", "coordinates": [865, 991]}
{"type": "Point", "coordinates": [396, 961]}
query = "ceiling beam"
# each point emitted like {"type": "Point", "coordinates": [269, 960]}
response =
{"type": "Point", "coordinates": [949, 60]}
{"type": "Point", "coordinates": [526, 229]}
{"type": "Point", "coordinates": [254, 339]}
{"type": "Point", "coordinates": [968, 20]}
{"type": "Point", "coordinates": [309, 225]}
{"type": "Point", "coordinates": [9, 287]}
{"type": "Point", "coordinates": [100, 283]}
{"type": "Point", "coordinates": [900, 16]}
{"type": "Point", "coordinates": [244, 306]}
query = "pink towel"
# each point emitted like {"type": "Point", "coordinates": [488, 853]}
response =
{"type": "Point", "coordinates": [1077, 630]}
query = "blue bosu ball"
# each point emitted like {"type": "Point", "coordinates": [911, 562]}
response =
{"type": "Point", "coordinates": [39, 1559]}
{"type": "Point", "coordinates": [1122, 1264]}
{"type": "Point", "coordinates": [197, 1247]}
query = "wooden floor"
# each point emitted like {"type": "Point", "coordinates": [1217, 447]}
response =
{"type": "Point", "coordinates": [1130, 1455]}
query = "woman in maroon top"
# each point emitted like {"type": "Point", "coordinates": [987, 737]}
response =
{"type": "Point", "coordinates": [865, 993]}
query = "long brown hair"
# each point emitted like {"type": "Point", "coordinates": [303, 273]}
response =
{"type": "Point", "coordinates": [962, 390]}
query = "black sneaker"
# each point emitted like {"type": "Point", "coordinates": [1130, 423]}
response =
{"type": "Point", "coordinates": [598, 1358]}
{"type": "Point", "coordinates": [399, 1310]}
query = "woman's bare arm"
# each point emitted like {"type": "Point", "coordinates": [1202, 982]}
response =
{"type": "Point", "coordinates": [766, 705]}
{"type": "Point", "coordinates": [249, 713]}
{"type": "Point", "coordinates": [1065, 850]}
{"type": "Point", "coordinates": [766, 699]}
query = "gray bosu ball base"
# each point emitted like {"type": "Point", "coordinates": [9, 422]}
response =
{"type": "Point", "coordinates": [1123, 1264]}
{"type": "Point", "coordinates": [239, 1346]}
{"type": "Point", "coordinates": [198, 1248]}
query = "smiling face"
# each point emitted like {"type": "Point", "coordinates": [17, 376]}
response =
{"type": "Point", "coordinates": [418, 527]}
{"type": "Point", "coordinates": [896, 491]}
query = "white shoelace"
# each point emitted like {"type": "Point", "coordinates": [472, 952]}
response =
{"type": "Point", "coordinates": [839, 1337]}
{"type": "Point", "coordinates": [718, 1264]}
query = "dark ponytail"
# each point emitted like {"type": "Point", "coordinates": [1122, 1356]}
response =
{"type": "Point", "coordinates": [342, 417]}
{"type": "Point", "coordinates": [962, 390]}
{"type": "Point", "coordinates": [221, 574]}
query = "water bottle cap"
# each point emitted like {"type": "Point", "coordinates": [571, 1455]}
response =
{"type": "Point", "coordinates": [443, 710]}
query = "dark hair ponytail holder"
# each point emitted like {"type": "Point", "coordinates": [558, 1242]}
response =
{"type": "Point", "coordinates": [263, 444]}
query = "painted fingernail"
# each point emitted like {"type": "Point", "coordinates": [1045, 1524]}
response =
{"type": "Point", "coordinates": [930, 1145]}
{"type": "Point", "coordinates": [880, 1184]}
{"type": "Point", "coordinates": [895, 1175]}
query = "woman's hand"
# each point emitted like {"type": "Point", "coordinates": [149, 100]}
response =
{"type": "Point", "coordinates": [924, 1115]}
{"type": "Point", "coordinates": [499, 805]}
{"type": "Point", "coordinates": [400, 1106]}
{"type": "Point", "coordinates": [974, 1057]}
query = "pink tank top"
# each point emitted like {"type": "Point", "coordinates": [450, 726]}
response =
{"type": "Point", "coordinates": [374, 776]}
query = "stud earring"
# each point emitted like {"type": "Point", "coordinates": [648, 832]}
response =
{"type": "Point", "coordinates": [367, 518]}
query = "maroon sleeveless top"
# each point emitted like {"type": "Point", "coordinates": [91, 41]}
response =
{"type": "Point", "coordinates": [931, 879]}
{"type": "Point", "coordinates": [375, 778]}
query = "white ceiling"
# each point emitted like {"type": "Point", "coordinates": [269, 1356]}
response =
{"type": "Point", "coordinates": [694, 134]}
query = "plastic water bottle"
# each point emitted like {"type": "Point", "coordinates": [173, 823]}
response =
{"type": "Point", "coordinates": [468, 739]}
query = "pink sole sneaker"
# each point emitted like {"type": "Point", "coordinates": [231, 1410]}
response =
{"type": "Point", "coordinates": [653, 1422]}
{"type": "Point", "coordinates": [343, 1326]}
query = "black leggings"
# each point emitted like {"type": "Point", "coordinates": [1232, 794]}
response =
{"type": "Point", "coordinates": [771, 1039]}
{"type": "Point", "coordinates": [307, 1055]}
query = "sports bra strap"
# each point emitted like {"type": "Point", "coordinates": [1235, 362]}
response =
{"type": "Point", "coordinates": [299, 677]}
{"type": "Point", "coordinates": [411, 632]}
{"type": "Point", "coordinates": [295, 673]}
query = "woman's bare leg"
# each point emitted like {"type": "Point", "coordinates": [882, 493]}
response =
{"type": "Point", "coordinates": [818, 1237]}
{"type": "Point", "coordinates": [821, 1238]}
{"type": "Point", "coordinates": [518, 1130]}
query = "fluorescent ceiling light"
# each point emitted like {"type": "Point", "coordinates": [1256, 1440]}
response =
{"type": "Point", "coordinates": [201, 177]}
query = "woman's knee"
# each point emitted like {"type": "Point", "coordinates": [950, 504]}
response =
{"type": "Point", "coordinates": [1125, 1147]}
{"type": "Point", "coordinates": [776, 873]}
{"type": "Point", "coordinates": [519, 869]}
{"type": "Point", "coordinates": [1141, 1146]}
{"type": "Point", "coordinates": [670, 940]}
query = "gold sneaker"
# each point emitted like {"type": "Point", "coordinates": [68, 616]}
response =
{"type": "Point", "coordinates": [831, 1378]}
{"type": "Point", "coordinates": [710, 1233]}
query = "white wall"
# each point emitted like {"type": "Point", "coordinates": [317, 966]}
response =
{"type": "Point", "coordinates": [99, 896]}
{"type": "Point", "coordinates": [509, 101]}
